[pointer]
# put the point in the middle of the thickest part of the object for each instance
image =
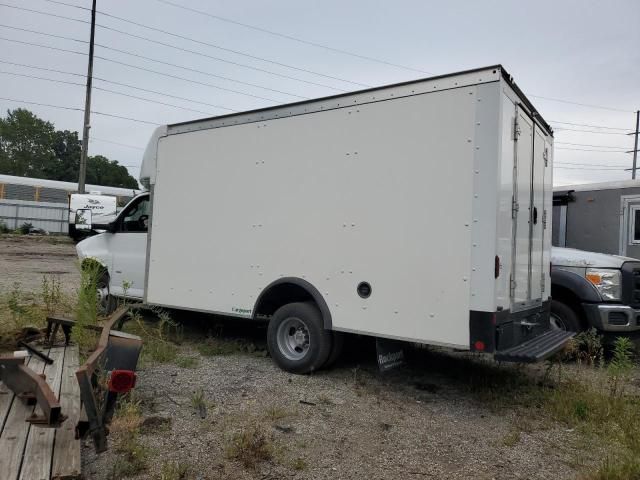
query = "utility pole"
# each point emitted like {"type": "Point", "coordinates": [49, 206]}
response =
{"type": "Point", "coordinates": [87, 108]}
{"type": "Point", "coordinates": [635, 146]}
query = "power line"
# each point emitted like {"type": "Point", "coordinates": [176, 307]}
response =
{"type": "Point", "coordinates": [263, 59]}
{"type": "Point", "coordinates": [77, 110]}
{"type": "Point", "coordinates": [96, 139]}
{"type": "Point", "coordinates": [218, 59]}
{"type": "Point", "coordinates": [237, 52]}
{"type": "Point", "coordinates": [589, 145]}
{"type": "Point", "coordinates": [296, 39]}
{"type": "Point", "coordinates": [43, 13]}
{"type": "Point", "coordinates": [154, 60]}
{"type": "Point", "coordinates": [213, 45]}
{"type": "Point", "coordinates": [577, 103]}
{"type": "Point", "coordinates": [199, 71]}
{"type": "Point", "coordinates": [590, 164]}
{"type": "Point", "coordinates": [586, 168]}
{"type": "Point", "coordinates": [120, 84]}
{"type": "Point", "coordinates": [211, 85]}
{"type": "Point", "coordinates": [193, 51]}
{"type": "Point", "coordinates": [104, 90]}
{"type": "Point", "coordinates": [587, 125]}
{"type": "Point", "coordinates": [139, 68]}
{"type": "Point", "coordinates": [590, 150]}
{"type": "Point", "coordinates": [560, 130]}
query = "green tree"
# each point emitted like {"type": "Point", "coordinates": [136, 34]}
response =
{"type": "Point", "coordinates": [32, 147]}
{"type": "Point", "coordinates": [25, 144]}
{"type": "Point", "coordinates": [102, 171]}
{"type": "Point", "coordinates": [67, 147]}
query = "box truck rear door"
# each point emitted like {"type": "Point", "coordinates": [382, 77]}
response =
{"type": "Point", "coordinates": [522, 211]}
{"type": "Point", "coordinates": [540, 155]}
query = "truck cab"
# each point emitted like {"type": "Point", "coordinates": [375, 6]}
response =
{"type": "Point", "coordinates": [121, 253]}
{"type": "Point", "coordinates": [595, 290]}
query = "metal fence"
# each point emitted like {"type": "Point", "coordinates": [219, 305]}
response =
{"type": "Point", "coordinates": [53, 217]}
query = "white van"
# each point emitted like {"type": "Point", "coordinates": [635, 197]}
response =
{"type": "Point", "coordinates": [416, 211]}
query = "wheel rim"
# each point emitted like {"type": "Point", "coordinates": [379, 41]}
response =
{"type": "Point", "coordinates": [293, 338]}
{"type": "Point", "coordinates": [103, 298]}
{"type": "Point", "coordinates": [556, 322]}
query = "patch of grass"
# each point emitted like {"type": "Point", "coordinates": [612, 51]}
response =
{"type": "Point", "coordinates": [157, 338]}
{"type": "Point", "coordinates": [250, 446]}
{"type": "Point", "coordinates": [125, 431]}
{"type": "Point", "coordinates": [135, 456]}
{"type": "Point", "coordinates": [299, 464]}
{"type": "Point", "coordinates": [276, 413]}
{"type": "Point", "coordinates": [198, 403]}
{"type": "Point", "coordinates": [22, 313]}
{"type": "Point", "coordinates": [127, 418]}
{"type": "Point", "coordinates": [214, 346]}
{"type": "Point", "coordinates": [174, 471]}
{"type": "Point", "coordinates": [324, 399]}
{"type": "Point", "coordinates": [86, 312]}
{"type": "Point", "coordinates": [627, 468]}
{"type": "Point", "coordinates": [511, 439]}
{"type": "Point", "coordinates": [184, 361]}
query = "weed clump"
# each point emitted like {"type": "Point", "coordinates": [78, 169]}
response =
{"type": "Point", "coordinates": [250, 446]}
{"type": "Point", "coordinates": [174, 471]}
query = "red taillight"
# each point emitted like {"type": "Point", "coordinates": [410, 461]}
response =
{"type": "Point", "coordinates": [122, 381]}
{"type": "Point", "coordinates": [479, 346]}
{"type": "Point", "coordinates": [497, 266]}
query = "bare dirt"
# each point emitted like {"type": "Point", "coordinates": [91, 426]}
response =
{"type": "Point", "coordinates": [436, 417]}
{"type": "Point", "coordinates": [25, 259]}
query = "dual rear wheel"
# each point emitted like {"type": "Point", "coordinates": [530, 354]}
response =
{"type": "Point", "coordinates": [298, 341]}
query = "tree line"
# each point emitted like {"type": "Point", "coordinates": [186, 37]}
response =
{"type": "Point", "coordinates": [32, 147]}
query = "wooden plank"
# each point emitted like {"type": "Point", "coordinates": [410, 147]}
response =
{"type": "Point", "coordinates": [15, 432]}
{"type": "Point", "coordinates": [66, 452]}
{"type": "Point", "coordinates": [36, 464]}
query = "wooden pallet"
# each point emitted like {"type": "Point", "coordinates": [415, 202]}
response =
{"type": "Point", "coordinates": [30, 452]}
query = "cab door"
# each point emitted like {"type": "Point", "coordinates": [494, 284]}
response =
{"type": "Point", "coordinates": [128, 247]}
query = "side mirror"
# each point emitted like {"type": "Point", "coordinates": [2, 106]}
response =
{"type": "Point", "coordinates": [83, 219]}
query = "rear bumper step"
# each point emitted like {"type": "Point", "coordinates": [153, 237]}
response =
{"type": "Point", "coordinates": [536, 349]}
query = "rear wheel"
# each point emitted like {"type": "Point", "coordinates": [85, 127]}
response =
{"type": "Point", "coordinates": [296, 338]}
{"type": "Point", "coordinates": [563, 317]}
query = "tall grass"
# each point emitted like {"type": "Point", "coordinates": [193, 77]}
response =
{"type": "Point", "coordinates": [86, 310]}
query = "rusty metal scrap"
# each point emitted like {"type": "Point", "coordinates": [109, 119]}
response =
{"type": "Point", "coordinates": [32, 388]}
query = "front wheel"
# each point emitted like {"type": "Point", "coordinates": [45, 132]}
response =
{"type": "Point", "coordinates": [296, 338]}
{"type": "Point", "coordinates": [563, 317]}
{"type": "Point", "coordinates": [106, 302]}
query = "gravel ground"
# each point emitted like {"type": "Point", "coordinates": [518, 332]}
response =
{"type": "Point", "coordinates": [348, 423]}
{"type": "Point", "coordinates": [419, 421]}
{"type": "Point", "coordinates": [25, 259]}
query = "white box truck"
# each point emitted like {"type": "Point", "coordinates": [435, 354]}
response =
{"type": "Point", "coordinates": [417, 211]}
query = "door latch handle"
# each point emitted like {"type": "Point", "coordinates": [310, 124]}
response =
{"type": "Point", "coordinates": [535, 215]}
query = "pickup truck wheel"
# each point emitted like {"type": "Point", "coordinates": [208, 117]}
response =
{"type": "Point", "coordinates": [563, 317]}
{"type": "Point", "coordinates": [297, 339]}
{"type": "Point", "coordinates": [106, 303]}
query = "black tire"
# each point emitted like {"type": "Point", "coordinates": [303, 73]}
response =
{"type": "Point", "coordinates": [298, 322]}
{"type": "Point", "coordinates": [108, 305]}
{"type": "Point", "coordinates": [564, 317]}
{"type": "Point", "coordinates": [336, 349]}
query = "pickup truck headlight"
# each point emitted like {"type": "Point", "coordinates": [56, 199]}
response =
{"type": "Point", "coordinates": [607, 282]}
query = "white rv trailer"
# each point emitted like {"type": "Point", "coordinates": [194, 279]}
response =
{"type": "Point", "coordinates": [417, 211]}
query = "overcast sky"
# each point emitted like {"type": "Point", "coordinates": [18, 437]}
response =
{"type": "Point", "coordinates": [579, 51]}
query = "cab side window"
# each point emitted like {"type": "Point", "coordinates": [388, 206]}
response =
{"type": "Point", "coordinates": [136, 217]}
